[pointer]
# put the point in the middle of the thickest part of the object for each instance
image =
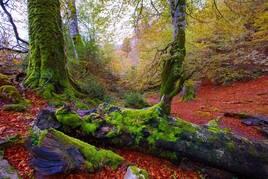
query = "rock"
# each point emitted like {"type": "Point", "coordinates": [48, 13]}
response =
{"type": "Point", "coordinates": [7, 171]}
{"type": "Point", "coordinates": [134, 172]}
{"type": "Point", "coordinates": [46, 119]}
{"type": "Point", "coordinates": [10, 93]}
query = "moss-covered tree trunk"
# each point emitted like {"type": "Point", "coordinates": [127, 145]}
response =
{"type": "Point", "coordinates": [171, 76]}
{"type": "Point", "coordinates": [46, 69]}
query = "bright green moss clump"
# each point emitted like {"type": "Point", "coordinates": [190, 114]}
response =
{"type": "Point", "coordinates": [140, 173]}
{"type": "Point", "coordinates": [68, 117]}
{"type": "Point", "coordinates": [95, 158]}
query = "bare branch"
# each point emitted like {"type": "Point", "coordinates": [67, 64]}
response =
{"type": "Point", "coordinates": [14, 50]}
{"type": "Point", "coordinates": [2, 4]}
{"type": "Point", "coordinates": [217, 9]}
{"type": "Point", "coordinates": [152, 4]}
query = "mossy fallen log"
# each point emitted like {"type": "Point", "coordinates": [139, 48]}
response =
{"type": "Point", "coordinates": [55, 152]}
{"type": "Point", "coordinates": [150, 131]}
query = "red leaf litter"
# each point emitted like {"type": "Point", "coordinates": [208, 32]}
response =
{"type": "Point", "coordinates": [212, 101]}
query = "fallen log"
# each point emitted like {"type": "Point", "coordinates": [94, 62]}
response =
{"type": "Point", "coordinates": [148, 130]}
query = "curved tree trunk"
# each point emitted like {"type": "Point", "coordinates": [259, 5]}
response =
{"type": "Point", "coordinates": [171, 76]}
{"type": "Point", "coordinates": [174, 139]}
{"type": "Point", "coordinates": [46, 69]}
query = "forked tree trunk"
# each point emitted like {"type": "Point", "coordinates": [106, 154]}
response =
{"type": "Point", "coordinates": [171, 77]}
{"type": "Point", "coordinates": [46, 69]}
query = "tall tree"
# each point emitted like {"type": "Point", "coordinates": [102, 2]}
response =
{"type": "Point", "coordinates": [73, 25]}
{"type": "Point", "coordinates": [46, 69]}
{"type": "Point", "coordinates": [172, 74]}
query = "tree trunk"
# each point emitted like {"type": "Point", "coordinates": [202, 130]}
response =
{"type": "Point", "coordinates": [73, 26]}
{"type": "Point", "coordinates": [149, 131]}
{"type": "Point", "coordinates": [46, 69]}
{"type": "Point", "coordinates": [171, 76]}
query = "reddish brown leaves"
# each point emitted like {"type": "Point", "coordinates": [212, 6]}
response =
{"type": "Point", "coordinates": [19, 158]}
{"type": "Point", "coordinates": [212, 101]}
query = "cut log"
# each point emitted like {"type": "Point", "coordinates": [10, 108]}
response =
{"type": "Point", "coordinates": [148, 130]}
{"type": "Point", "coordinates": [59, 153]}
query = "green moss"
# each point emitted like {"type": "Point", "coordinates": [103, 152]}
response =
{"type": "Point", "coordinates": [80, 105]}
{"type": "Point", "coordinates": [11, 93]}
{"type": "Point", "coordinates": [111, 134]}
{"type": "Point", "coordinates": [140, 173]}
{"type": "Point", "coordinates": [143, 114]}
{"type": "Point", "coordinates": [230, 146]}
{"type": "Point", "coordinates": [68, 117]}
{"type": "Point", "coordinates": [10, 169]}
{"type": "Point", "coordinates": [4, 80]}
{"type": "Point", "coordinates": [41, 137]}
{"type": "Point", "coordinates": [98, 158]}
{"type": "Point", "coordinates": [90, 128]}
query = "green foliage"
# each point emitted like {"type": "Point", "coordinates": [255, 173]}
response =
{"type": "Point", "coordinates": [93, 88]}
{"type": "Point", "coordinates": [135, 100]}
{"type": "Point", "coordinates": [218, 52]}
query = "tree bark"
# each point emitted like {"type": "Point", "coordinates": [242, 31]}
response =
{"type": "Point", "coordinates": [149, 131]}
{"type": "Point", "coordinates": [172, 74]}
{"type": "Point", "coordinates": [73, 26]}
{"type": "Point", "coordinates": [46, 68]}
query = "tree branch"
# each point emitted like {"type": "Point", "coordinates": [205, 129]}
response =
{"type": "Point", "coordinates": [10, 19]}
{"type": "Point", "coordinates": [14, 50]}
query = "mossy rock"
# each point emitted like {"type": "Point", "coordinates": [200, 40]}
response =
{"type": "Point", "coordinates": [4, 80]}
{"type": "Point", "coordinates": [10, 93]}
{"type": "Point", "coordinates": [135, 172]}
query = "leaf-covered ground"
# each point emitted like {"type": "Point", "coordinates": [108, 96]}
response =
{"type": "Point", "coordinates": [212, 101]}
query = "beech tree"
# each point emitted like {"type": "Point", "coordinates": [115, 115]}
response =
{"type": "Point", "coordinates": [172, 78]}
{"type": "Point", "coordinates": [46, 68]}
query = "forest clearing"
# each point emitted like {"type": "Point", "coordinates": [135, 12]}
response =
{"type": "Point", "coordinates": [133, 89]}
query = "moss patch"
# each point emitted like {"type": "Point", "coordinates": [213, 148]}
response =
{"type": "Point", "coordinates": [4, 80]}
{"type": "Point", "coordinates": [9, 92]}
{"type": "Point", "coordinates": [68, 117]}
{"type": "Point", "coordinates": [20, 107]}
{"type": "Point", "coordinates": [140, 173]}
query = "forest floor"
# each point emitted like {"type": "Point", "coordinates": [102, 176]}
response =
{"type": "Point", "coordinates": [211, 102]}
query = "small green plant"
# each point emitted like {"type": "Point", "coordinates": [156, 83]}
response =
{"type": "Point", "coordinates": [135, 100]}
